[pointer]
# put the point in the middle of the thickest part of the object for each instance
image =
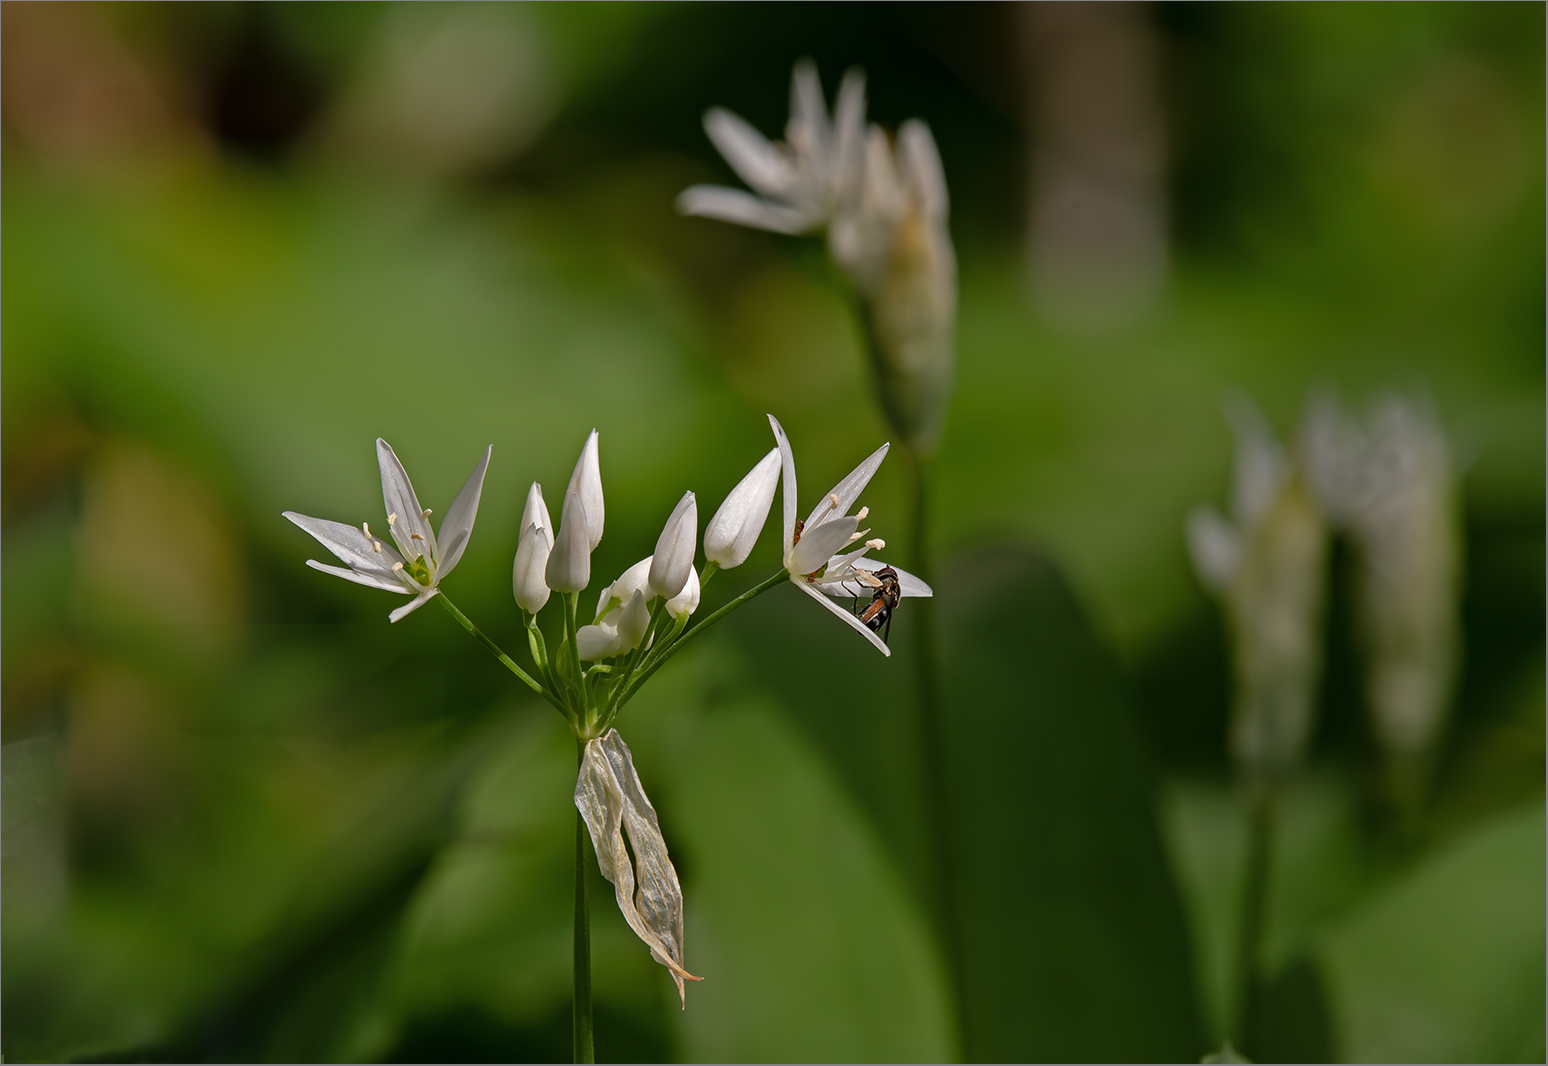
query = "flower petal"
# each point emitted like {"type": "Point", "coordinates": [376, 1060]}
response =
{"type": "Point", "coordinates": [457, 526]}
{"type": "Point", "coordinates": [854, 623]}
{"type": "Point", "coordinates": [413, 605]}
{"type": "Point", "coordinates": [848, 490]}
{"type": "Point", "coordinates": [908, 584]}
{"type": "Point", "coordinates": [808, 110]}
{"type": "Point", "coordinates": [673, 557]}
{"type": "Point", "coordinates": [818, 544]}
{"type": "Point", "coordinates": [406, 517]}
{"type": "Point", "coordinates": [528, 573]}
{"type": "Point", "coordinates": [348, 543]}
{"type": "Point", "coordinates": [742, 209]}
{"type": "Point", "coordinates": [535, 513]}
{"type": "Point", "coordinates": [756, 160]}
{"type": "Point", "coordinates": [610, 798]}
{"type": "Point", "coordinates": [787, 461]}
{"type": "Point", "coordinates": [731, 534]}
{"type": "Point", "coordinates": [587, 480]}
{"type": "Point", "coordinates": [1215, 546]}
{"type": "Point", "coordinates": [597, 642]}
{"type": "Point", "coordinates": [921, 166]}
{"type": "Point", "coordinates": [687, 601]}
{"type": "Point", "coordinates": [569, 563]}
{"type": "Point", "coordinates": [386, 583]}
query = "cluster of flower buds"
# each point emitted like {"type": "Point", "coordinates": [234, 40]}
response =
{"type": "Point", "coordinates": [1389, 485]}
{"type": "Point", "coordinates": [884, 206]}
{"type": "Point", "coordinates": [1266, 563]}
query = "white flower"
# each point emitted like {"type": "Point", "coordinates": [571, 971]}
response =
{"type": "Point", "coordinates": [687, 601]}
{"type": "Point", "coordinates": [895, 246]}
{"type": "Point", "coordinates": [803, 182]}
{"type": "Point", "coordinates": [619, 631]}
{"type": "Point", "coordinates": [812, 547]}
{"type": "Point", "coordinates": [610, 798]}
{"type": "Point", "coordinates": [569, 561]}
{"type": "Point", "coordinates": [532, 548]}
{"type": "Point", "coordinates": [1266, 563]}
{"type": "Point", "coordinates": [672, 560]}
{"type": "Point", "coordinates": [635, 579]}
{"type": "Point", "coordinates": [731, 534]}
{"type": "Point", "coordinates": [587, 480]}
{"type": "Point", "coordinates": [420, 561]}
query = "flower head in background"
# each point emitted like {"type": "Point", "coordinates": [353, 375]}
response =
{"type": "Point", "coordinates": [1266, 564]}
{"type": "Point", "coordinates": [421, 559]}
{"type": "Point", "coordinates": [818, 551]}
{"type": "Point", "coordinates": [802, 182]}
{"type": "Point", "coordinates": [1390, 484]}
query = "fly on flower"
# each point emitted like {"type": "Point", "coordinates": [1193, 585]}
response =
{"type": "Point", "coordinates": [817, 553]}
{"type": "Point", "coordinates": [884, 601]}
{"type": "Point", "coordinates": [420, 560]}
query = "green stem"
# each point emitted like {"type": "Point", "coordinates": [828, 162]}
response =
{"type": "Point", "coordinates": [676, 646]}
{"type": "Point", "coordinates": [582, 697]}
{"type": "Point", "coordinates": [932, 733]}
{"type": "Point", "coordinates": [494, 649]}
{"type": "Point", "coordinates": [584, 1047]}
{"type": "Point", "coordinates": [1263, 818]}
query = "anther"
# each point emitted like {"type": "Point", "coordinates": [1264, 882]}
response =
{"type": "Point", "coordinates": [415, 536]}
{"type": "Point", "coordinates": [428, 512]}
{"type": "Point", "coordinates": [832, 501]}
{"type": "Point", "coordinates": [391, 519]}
{"type": "Point", "coordinates": [860, 514]}
{"type": "Point", "coordinates": [367, 527]}
{"type": "Point", "coordinates": [376, 546]}
{"type": "Point", "coordinates": [876, 544]}
{"type": "Point", "coordinates": [397, 566]}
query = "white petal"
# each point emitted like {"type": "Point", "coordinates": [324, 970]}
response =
{"type": "Point", "coordinates": [632, 580]}
{"type": "Point", "coordinates": [908, 584]}
{"type": "Point", "coordinates": [818, 544]}
{"type": "Point", "coordinates": [597, 642]}
{"type": "Point", "coordinates": [587, 480]}
{"type": "Point", "coordinates": [528, 574]}
{"type": "Point", "coordinates": [375, 581]}
{"type": "Point", "coordinates": [1214, 545]}
{"type": "Point", "coordinates": [535, 513]}
{"type": "Point", "coordinates": [457, 526]}
{"type": "Point", "coordinates": [854, 623]}
{"type": "Point", "coordinates": [787, 460]}
{"type": "Point", "coordinates": [1260, 462]}
{"type": "Point", "coordinates": [673, 557]}
{"type": "Point", "coordinates": [731, 534]}
{"type": "Point", "coordinates": [742, 209]}
{"type": "Point", "coordinates": [849, 132]}
{"type": "Point", "coordinates": [399, 499]}
{"type": "Point", "coordinates": [348, 543]}
{"type": "Point", "coordinates": [413, 605]}
{"type": "Point", "coordinates": [755, 159]}
{"type": "Point", "coordinates": [807, 107]}
{"type": "Point", "coordinates": [610, 798]}
{"type": "Point", "coordinates": [848, 490]}
{"type": "Point", "coordinates": [569, 563]}
{"type": "Point", "coordinates": [633, 622]}
{"type": "Point", "coordinates": [687, 601]}
{"type": "Point", "coordinates": [921, 165]}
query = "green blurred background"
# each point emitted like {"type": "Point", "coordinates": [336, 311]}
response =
{"type": "Point", "coordinates": [245, 818]}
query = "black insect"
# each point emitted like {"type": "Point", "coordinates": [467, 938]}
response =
{"type": "Point", "coordinates": [878, 613]}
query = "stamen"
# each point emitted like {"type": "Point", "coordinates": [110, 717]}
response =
{"type": "Point", "coordinates": [832, 501]}
{"type": "Point", "coordinates": [367, 527]}
{"type": "Point", "coordinates": [391, 519]}
{"type": "Point", "coordinates": [854, 537]}
{"type": "Point", "coordinates": [860, 514]}
{"type": "Point", "coordinates": [415, 536]}
{"type": "Point", "coordinates": [397, 566]}
{"type": "Point", "coordinates": [428, 512]}
{"type": "Point", "coordinates": [876, 544]}
{"type": "Point", "coordinates": [376, 546]}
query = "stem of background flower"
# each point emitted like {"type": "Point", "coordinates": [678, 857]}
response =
{"type": "Point", "coordinates": [584, 1047]}
{"type": "Point", "coordinates": [932, 731]}
{"type": "Point", "coordinates": [571, 606]}
{"type": "Point", "coordinates": [673, 649]}
{"type": "Point", "coordinates": [539, 649]}
{"type": "Point", "coordinates": [1263, 817]}
{"type": "Point", "coordinates": [494, 649]}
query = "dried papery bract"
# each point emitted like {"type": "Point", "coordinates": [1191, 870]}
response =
{"type": "Point", "coordinates": [610, 798]}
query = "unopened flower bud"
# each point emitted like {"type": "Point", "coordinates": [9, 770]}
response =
{"type": "Point", "coordinates": [687, 601]}
{"type": "Point", "coordinates": [633, 622]}
{"type": "Point", "coordinates": [569, 562]}
{"type": "Point", "coordinates": [673, 559]}
{"type": "Point", "coordinates": [532, 548]}
{"type": "Point", "coordinates": [587, 480]}
{"type": "Point", "coordinates": [731, 534]}
{"type": "Point", "coordinates": [596, 642]}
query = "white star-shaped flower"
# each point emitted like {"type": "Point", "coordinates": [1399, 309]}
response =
{"type": "Point", "coordinates": [816, 552]}
{"type": "Point", "coordinates": [420, 560]}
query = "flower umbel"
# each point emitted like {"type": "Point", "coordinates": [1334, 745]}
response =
{"type": "Point", "coordinates": [420, 560]}
{"type": "Point", "coordinates": [816, 554]}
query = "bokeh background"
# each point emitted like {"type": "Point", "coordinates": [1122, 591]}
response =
{"type": "Point", "coordinates": [245, 818]}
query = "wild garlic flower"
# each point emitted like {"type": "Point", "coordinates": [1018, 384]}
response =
{"type": "Point", "coordinates": [817, 553]}
{"type": "Point", "coordinates": [610, 798]}
{"type": "Point", "coordinates": [532, 549]}
{"type": "Point", "coordinates": [894, 244]}
{"type": "Point", "coordinates": [801, 182]}
{"type": "Point", "coordinates": [731, 534]}
{"type": "Point", "coordinates": [1390, 484]}
{"type": "Point", "coordinates": [672, 560]}
{"type": "Point", "coordinates": [420, 560]}
{"type": "Point", "coordinates": [1266, 564]}
{"type": "Point", "coordinates": [580, 525]}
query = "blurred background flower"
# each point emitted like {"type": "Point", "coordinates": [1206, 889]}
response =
{"type": "Point", "coordinates": [243, 239]}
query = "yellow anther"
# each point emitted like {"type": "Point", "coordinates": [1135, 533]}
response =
{"type": "Point", "coordinates": [428, 512]}
{"type": "Point", "coordinates": [860, 515]}
{"type": "Point", "coordinates": [876, 544]}
{"type": "Point", "coordinates": [391, 519]}
{"type": "Point", "coordinates": [415, 536]}
{"type": "Point", "coordinates": [367, 527]}
{"type": "Point", "coordinates": [397, 566]}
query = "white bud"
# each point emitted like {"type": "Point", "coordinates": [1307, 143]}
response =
{"type": "Point", "coordinates": [687, 601]}
{"type": "Point", "coordinates": [673, 559]}
{"type": "Point", "coordinates": [632, 580]}
{"type": "Point", "coordinates": [731, 534]}
{"type": "Point", "coordinates": [633, 622]}
{"type": "Point", "coordinates": [587, 480]}
{"type": "Point", "coordinates": [569, 563]}
{"type": "Point", "coordinates": [527, 576]}
{"type": "Point", "coordinates": [596, 642]}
